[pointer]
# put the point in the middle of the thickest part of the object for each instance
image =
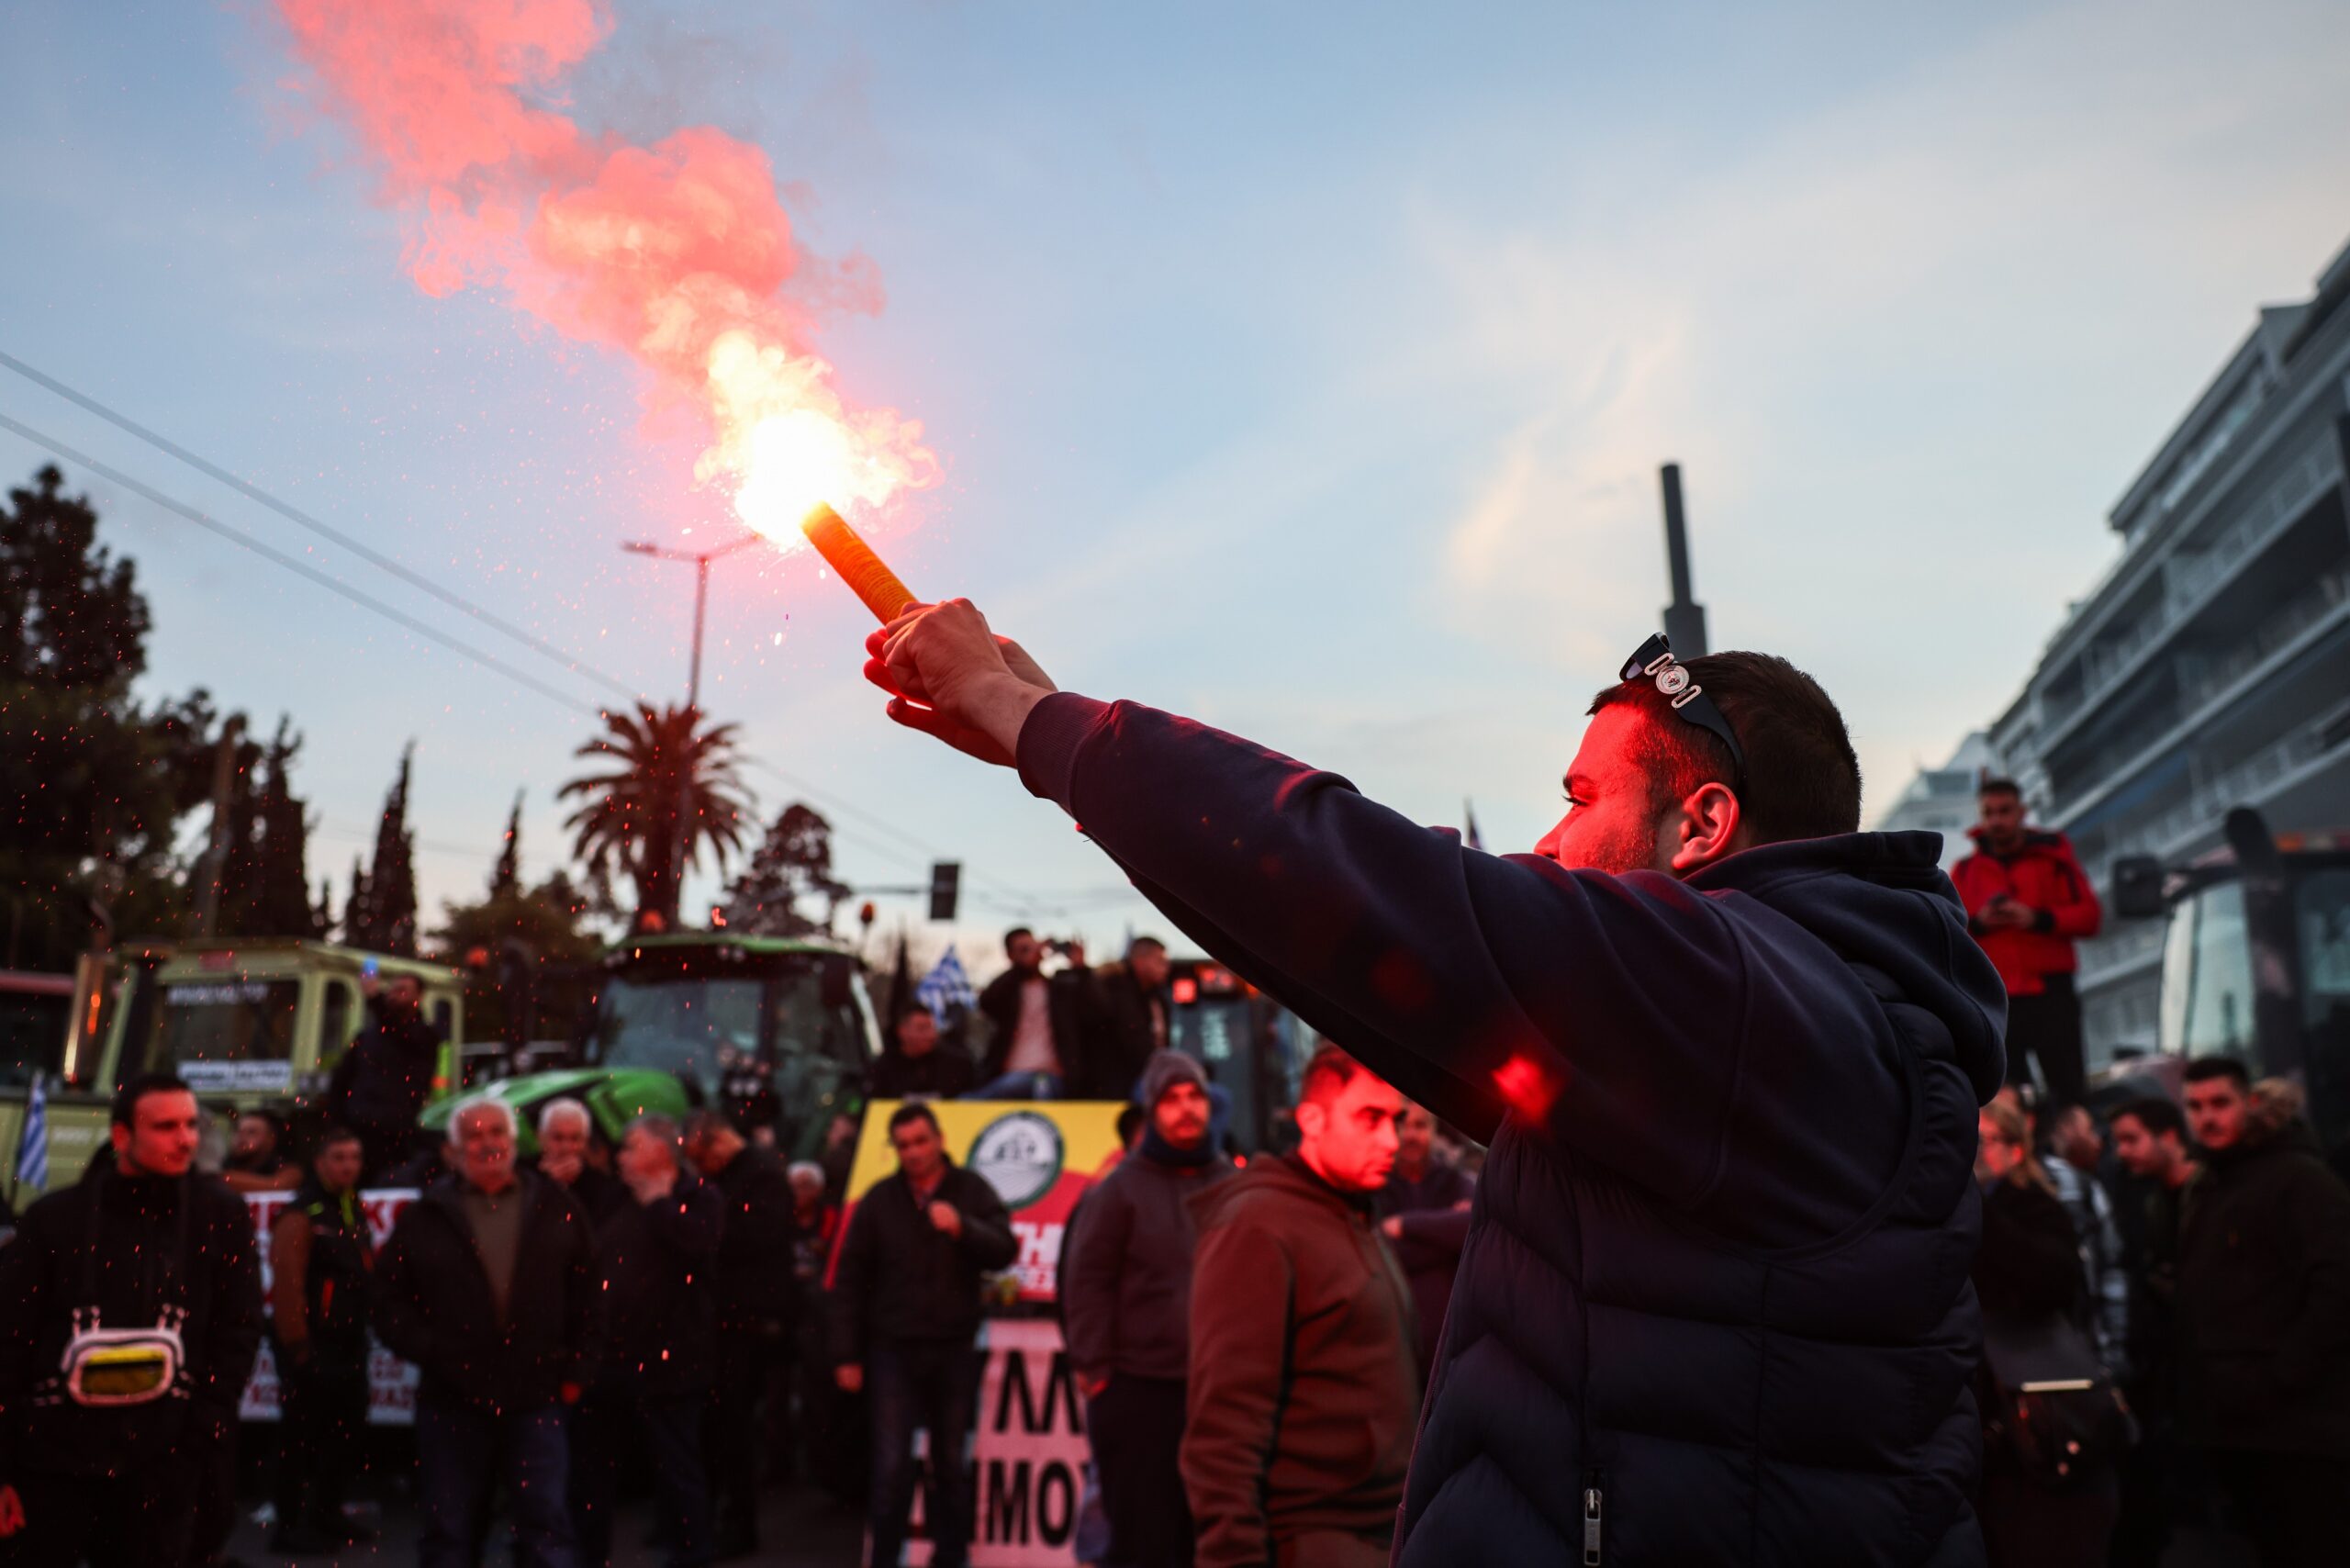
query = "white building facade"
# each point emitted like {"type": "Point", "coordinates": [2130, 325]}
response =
{"type": "Point", "coordinates": [2211, 667]}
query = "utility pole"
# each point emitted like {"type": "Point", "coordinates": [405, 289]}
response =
{"type": "Point", "coordinates": [1685, 618]}
{"type": "Point", "coordinates": [702, 560]}
{"type": "Point", "coordinates": [215, 856]}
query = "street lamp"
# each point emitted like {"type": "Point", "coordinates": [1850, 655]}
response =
{"type": "Point", "coordinates": [702, 560]}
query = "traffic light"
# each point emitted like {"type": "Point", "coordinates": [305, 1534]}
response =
{"type": "Point", "coordinates": [945, 884]}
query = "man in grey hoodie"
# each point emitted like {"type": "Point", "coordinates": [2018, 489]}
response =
{"type": "Point", "coordinates": [1126, 1298]}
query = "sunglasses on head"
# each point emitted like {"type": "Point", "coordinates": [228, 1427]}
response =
{"type": "Point", "coordinates": [1653, 660]}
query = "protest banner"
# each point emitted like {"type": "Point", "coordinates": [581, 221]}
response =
{"type": "Point", "coordinates": [391, 1383]}
{"type": "Point", "coordinates": [1038, 1155]}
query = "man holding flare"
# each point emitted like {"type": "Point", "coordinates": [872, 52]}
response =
{"type": "Point", "coordinates": [1714, 1303]}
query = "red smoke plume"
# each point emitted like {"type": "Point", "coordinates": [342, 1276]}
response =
{"type": "Point", "coordinates": [680, 253]}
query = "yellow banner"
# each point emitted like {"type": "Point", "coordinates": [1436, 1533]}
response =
{"type": "Point", "coordinates": [1038, 1155]}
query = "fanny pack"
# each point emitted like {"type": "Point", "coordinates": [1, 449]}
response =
{"type": "Point", "coordinates": [121, 1366]}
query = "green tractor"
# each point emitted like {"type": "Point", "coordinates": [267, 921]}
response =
{"type": "Point", "coordinates": [780, 1025]}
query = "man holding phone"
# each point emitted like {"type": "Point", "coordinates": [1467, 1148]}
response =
{"type": "Point", "coordinates": [2028, 900]}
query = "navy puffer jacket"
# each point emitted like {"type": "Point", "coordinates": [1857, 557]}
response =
{"type": "Point", "coordinates": [1714, 1306]}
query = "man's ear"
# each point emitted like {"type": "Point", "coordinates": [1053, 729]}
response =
{"type": "Point", "coordinates": [119, 1135]}
{"type": "Point", "coordinates": [1708, 829]}
{"type": "Point", "coordinates": [1313, 1118]}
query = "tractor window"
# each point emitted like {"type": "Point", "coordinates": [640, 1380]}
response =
{"type": "Point", "coordinates": [2206, 976]}
{"type": "Point", "coordinates": [222, 1036]}
{"type": "Point", "coordinates": [694, 1027]}
{"type": "Point", "coordinates": [2322, 914]}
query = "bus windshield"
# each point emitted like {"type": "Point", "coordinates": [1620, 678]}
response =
{"type": "Point", "coordinates": [2206, 976]}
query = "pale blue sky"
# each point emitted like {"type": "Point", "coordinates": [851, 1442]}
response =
{"type": "Point", "coordinates": [1302, 368]}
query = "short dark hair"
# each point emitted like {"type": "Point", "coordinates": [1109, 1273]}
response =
{"type": "Point", "coordinates": [2202, 1069]}
{"type": "Point", "coordinates": [1139, 942]}
{"type": "Point", "coordinates": [1802, 778]}
{"type": "Point", "coordinates": [335, 1134]}
{"type": "Point", "coordinates": [704, 1123]}
{"type": "Point", "coordinates": [910, 1112]}
{"type": "Point", "coordinates": [126, 1098]}
{"type": "Point", "coordinates": [1015, 935]}
{"type": "Point", "coordinates": [2157, 1115]}
{"type": "Point", "coordinates": [908, 1009]}
{"type": "Point", "coordinates": [1328, 1072]}
{"type": "Point", "coordinates": [1994, 785]}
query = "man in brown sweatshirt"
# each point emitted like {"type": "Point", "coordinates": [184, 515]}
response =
{"type": "Point", "coordinates": [1303, 1381]}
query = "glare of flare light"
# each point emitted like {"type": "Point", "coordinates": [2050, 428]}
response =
{"type": "Point", "coordinates": [786, 440]}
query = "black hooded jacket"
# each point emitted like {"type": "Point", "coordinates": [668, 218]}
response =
{"type": "Point", "coordinates": [383, 1080]}
{"type": "Point", "coordinates": [660, 1300]}
{"type": "Point", "coordinates": [433, 1305]}
{"type": "Point", "coordinates": [1714, 1304]}
{"type": "Point", "coordinates": [161, 1243]}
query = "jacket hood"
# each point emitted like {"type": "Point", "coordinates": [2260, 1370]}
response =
{"type": "Point", "coordinates": [1280, 1174]}
{"type": "Point", "coordinates": [1880, 899]}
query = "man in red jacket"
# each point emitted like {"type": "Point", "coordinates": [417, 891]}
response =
{"type": "Point", "coordinates": [2028, 900]}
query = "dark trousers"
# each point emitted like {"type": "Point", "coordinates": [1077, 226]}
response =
{"type": "Point", "coordinates": [212, 1455]}
{"type": "Point", "coordinates": [2026, 1527]}
{"type": "Point", "coordinates": [671, 1424]}
{"type": "Point", "coordinates": [2046, 1028]}
{"type": "Point", "coordinates": [462, 1452]}
{"type": "Point", "coordinates": [733, 1432]}
{"type": "Point", "coordinates": [129, 1521]}
{"type": "Point", "coordinates": [2150, 1481]}
{"type": "Point", "coordinates": [1136, 1425]}
{"type": "Point", "coordinates": [2290, 1504]}
{"type": "Point", "coordinates": [322, 1410]}
{"type": "Point", "coordinates": [933, 1384]}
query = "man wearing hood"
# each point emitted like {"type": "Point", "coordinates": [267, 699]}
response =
{"type": "Point", "coordinates": [2028, 902]}
{"type": "Point", "coordinates": [1727, 1051]}
{"type": "Point", "coordinates": [1126, 1303]}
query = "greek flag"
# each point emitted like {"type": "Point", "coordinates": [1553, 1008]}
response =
{"type": "Point", "coordinates": [32, 1144]}
{"type": "Point", "coordinates": [946, 987]}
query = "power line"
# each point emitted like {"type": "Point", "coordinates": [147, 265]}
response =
{"type": "Point", "coordinates": [291, 564]}
{"type": "Point", "coordinates": [984, 888]}
{"type": "Point", "coordinates": [295, 515]}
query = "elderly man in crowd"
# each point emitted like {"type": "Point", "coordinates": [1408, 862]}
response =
{"type": "Point", "coordinates": [659, 1360]}
{"type": "Point", "coordinates": [568, 1158]}
{"type": "Point", "coordinates": [489, 1284]}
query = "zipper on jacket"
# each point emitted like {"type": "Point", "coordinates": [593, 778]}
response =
{"type": "Point", "coordinates": [1594, 1499]}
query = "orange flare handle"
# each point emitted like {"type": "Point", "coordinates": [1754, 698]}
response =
{"type": "Point", "coordinates": [854, 559]}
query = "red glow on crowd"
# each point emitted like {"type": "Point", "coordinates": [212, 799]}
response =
{"type": "Point", "coordinates": [678, 253]}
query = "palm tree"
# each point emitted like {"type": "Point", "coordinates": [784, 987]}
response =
{"type": "Point", "coordinates": [627, 817]}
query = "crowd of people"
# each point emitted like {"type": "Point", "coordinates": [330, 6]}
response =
{"type": "Point", "coordinates": [2163, 1283]}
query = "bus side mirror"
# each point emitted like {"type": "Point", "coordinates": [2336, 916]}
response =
{"type": "Point", "coordinates": [2138, 888]}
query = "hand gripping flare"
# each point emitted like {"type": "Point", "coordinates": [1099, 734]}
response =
{"type": "Point", "coordinates": [854, 559]}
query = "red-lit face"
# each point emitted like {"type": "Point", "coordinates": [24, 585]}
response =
{"type": "Point", "coordinates": [918, 1034]}
{"type": "Point", "coordinates": [1149, 964]}
{"type": "Point", "coordinates": [1994, 1156]}
{"type": "Point", "coordinates": [2140, 1150]}
{"type": "Point", "coordinates": [161, 1140]}
{"type": "Point", "coordinates": [2215, 1110]}
{"type": "Point", "coordinates": [338, 1165]}
{"type": "Point", "coordinates": [1609, 825]}
{"type": "Point", "coordinates": [2002, 821]}
{"type": "Point", "coordinates": [920, 1152]}
{"type": "Point", "coordinates": [1181, 1116]}
{"type": "Point", "coordinates": [1415, 1136]}
{"type": "Point", "coordinates": [1349, 1139]}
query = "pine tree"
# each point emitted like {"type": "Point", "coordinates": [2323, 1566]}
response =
{"type": "Point", "coordinates": [391, 880]}
{"type": "Point", "coordinates": [357, 925]}
{"type": "Point", "coordinates": [505, 881]}
{"type": "Point", "coordinates": [281, 888]}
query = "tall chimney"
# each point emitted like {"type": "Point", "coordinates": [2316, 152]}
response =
{"type": "Point", "coordinates": [1685, 618]}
